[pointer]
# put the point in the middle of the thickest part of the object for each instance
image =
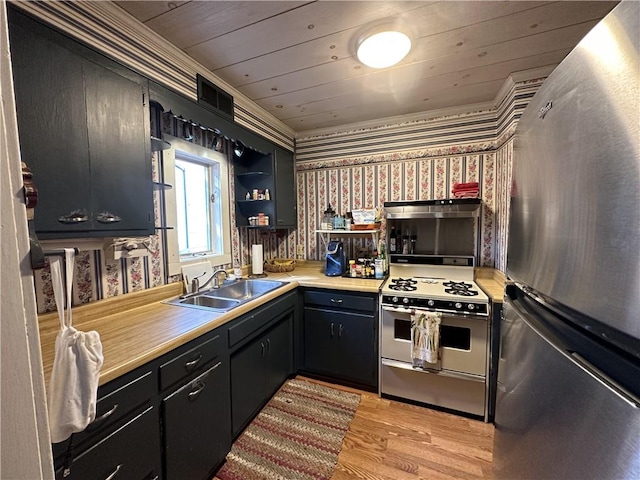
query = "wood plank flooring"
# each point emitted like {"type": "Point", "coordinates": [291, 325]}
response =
{"type": "Point", "coordinates": [389, 440]}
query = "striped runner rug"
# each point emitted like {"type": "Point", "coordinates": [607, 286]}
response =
{"type": "Point", "coordinates": [297, 435]}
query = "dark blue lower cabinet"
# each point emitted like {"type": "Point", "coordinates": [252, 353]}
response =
{"type": "Point", "coordinates": [197, 425]}
{"type": "Point", "coordinates": [258, 369]}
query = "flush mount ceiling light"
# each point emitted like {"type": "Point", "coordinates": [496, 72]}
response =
{"type": "Point", "coordinates": [382, 46]}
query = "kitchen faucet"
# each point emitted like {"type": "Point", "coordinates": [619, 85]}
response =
{"type": "Point", "coordinates": [195, 283]}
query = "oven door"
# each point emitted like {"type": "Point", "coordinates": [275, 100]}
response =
{"type": "Point", "coordinates": [463, 341]}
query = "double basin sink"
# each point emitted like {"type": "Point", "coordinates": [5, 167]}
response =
{"type": "Point", "coordinates": [228, 295]}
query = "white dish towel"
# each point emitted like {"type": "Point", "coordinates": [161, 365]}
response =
{"type": "Point", "coordinates": [425, 338]}
{"type": "Point", "coordinates": [73, 387]}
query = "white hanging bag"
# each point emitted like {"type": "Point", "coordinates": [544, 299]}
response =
{"type": "Point", "coordinates": [73, 386]}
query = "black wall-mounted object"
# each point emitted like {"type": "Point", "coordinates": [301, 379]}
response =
{"type": "Point", "coordinates": [213, 97]}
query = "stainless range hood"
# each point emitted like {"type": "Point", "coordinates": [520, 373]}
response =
{"type": "Point", "coordinates": [447, 208]}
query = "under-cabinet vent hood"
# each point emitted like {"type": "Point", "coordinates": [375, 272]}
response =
{"type": "Point", "coordinates": [446, 208]}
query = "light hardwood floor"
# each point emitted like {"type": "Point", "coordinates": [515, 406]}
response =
{"type": "Point", "coordinates": [389, 440]}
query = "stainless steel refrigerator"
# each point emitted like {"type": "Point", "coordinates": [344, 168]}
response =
{"type": "Point", "coordinates": [568, 394]}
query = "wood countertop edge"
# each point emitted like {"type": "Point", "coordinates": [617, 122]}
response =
{"type": "Point", "coordinates": [126, 323]}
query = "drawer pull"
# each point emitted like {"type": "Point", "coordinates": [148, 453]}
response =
{"type": "Point", "coordinates": [193, 395]}
{"type": "Point", "coordinates": [268, 345]}
{"type": "Point", "coordinates": [340, 330]}
{"type": "Point", "coordinates": [262, 350]}
{"type": "Point", "coordinates": [338, 301]}
{"type": "Point", "coordinates": [331, 329]}
{"type": "Point", "coordinates": [192, 364]}
{"type": "Point", "coordinates": [115, 472]}
{"type": "Point", "coordinates": [106, 414]}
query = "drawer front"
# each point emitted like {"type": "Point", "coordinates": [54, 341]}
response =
{"type": "Point", "coordinates": [182, 366]}
{"type": "Point", "coordinates": [249, 324]}
{"type": "Point", "coordinates": [131, 452]}
{"type": "Point", "coordinates": [112, 408]}
{"type": "Point", "coordinates": [335, 299]}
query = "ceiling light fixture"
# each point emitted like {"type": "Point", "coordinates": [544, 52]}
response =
{"type": "Point", "coordinates": [382, 46]}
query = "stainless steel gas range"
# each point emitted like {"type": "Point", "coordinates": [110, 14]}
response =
{"type": "Point", "coordinates": [443, 284]}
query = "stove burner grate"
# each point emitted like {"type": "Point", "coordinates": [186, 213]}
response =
{"type": "Point", "coordinates": [459, 288]}
{"type": "Point", "coordinates": [403, 284]}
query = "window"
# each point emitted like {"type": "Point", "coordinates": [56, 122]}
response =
{"type": "Point", "coordinates": [197, 205]}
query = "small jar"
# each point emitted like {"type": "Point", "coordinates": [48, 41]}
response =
{"type": "Point", "coordinates": [352, 268]}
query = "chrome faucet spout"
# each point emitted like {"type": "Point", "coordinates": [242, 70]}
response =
{"type": "Point", "coordinates": [216, 282]}
{"type": "Point", "coordinates": [197, 287]}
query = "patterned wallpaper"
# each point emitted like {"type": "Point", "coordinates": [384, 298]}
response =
{"type": "Point", "coordinates": [363, 167]}
{"type": "Point", "coordinates": [370, 185]}
{"type": "Point", "coordinates": [347, 184]}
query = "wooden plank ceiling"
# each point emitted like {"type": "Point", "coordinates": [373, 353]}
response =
{"type": "Point", "coordinates": [297, 60]}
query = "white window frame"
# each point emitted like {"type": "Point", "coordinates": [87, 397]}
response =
{"type": "Point", "coordinates": [174, 260]}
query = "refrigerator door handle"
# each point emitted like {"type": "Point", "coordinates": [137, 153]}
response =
{"type": "Point", "coordinates": [579, 360]}
{"type": "Point", "coordinates": [605, 380]}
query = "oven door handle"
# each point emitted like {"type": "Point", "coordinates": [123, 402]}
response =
{"type": "Point", "coordinates": [443, 373]}
{"type": "Point", "coordinates": [410, 311]}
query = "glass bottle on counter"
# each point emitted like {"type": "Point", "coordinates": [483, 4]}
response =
{"type": "Point", "coordinates": [382, 254]}
{"type": "Point", "coordinates": [393, 239]}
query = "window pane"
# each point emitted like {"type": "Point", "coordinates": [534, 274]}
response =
{"type": "Point", "coordinates": [192, 198]}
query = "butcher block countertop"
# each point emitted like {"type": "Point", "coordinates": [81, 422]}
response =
{"type": "Point", "coordinates": [137, 327]}
{"type": "Point", "coordinates": [492, 282]}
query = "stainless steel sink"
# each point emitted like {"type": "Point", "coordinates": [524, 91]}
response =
{"type": "Point", "coordinates": [210, 302]}
{"type": "Point", "coordinates": [244, 289]}
{"type": "Point", "coordinates": [228, 295]}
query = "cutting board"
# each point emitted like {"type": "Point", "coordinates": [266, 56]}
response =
{"type": "Point", "coordinates": [195, 270]}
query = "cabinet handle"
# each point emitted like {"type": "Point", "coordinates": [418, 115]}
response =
{"type": "Point", "coordinates": [338, 301]}
{"type": "Point", "coordinates": [108, 218]}
{"type": "Point", "coordinates": [105, 415]}
{"type": "Point", "coordinates": [115, 472]}
{"type": "Point", "coordinates": [331, 329]}
{"type": "Point", "coordinates": [340, 331]}
{"type": "Point", "coordinates": [192, 364]}
{"type": "Point", "coordinates": [193, 395]}
{"type": "Point", "coordinates": [262, 349]}
{"type": "Point", "coordinates": [268, 345]}
{"type": "Point", "coordinates": [73, 217]}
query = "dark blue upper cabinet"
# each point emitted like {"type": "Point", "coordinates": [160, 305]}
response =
{"type": "Point", "coordinates": [83, 122]}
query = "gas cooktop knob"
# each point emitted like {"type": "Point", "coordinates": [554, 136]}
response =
{"type": "Point", "coordinates": [405, 300]}
{"type": "Point", "coordinates": [431, 303]}
{"type": "Point", "coordinates": [471, 306]}
{"type": "Point", "coordinates": [458, 305]}
{"type": "Point", "coordinates": [394, 299]}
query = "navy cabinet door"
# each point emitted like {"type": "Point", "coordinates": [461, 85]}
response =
{"type": "Point", "coordinates": [279, 354]}
{"type": "Point", "coordinates": [51, 114]}
{"type": "Point", "coordinates": [83, 122]}
{"type": "Point", "coordinates": [340, 344]}
{"type": "Point", "coordinates": [248, 371]}
{"type": "Point", "coordinates": [197, 430]}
